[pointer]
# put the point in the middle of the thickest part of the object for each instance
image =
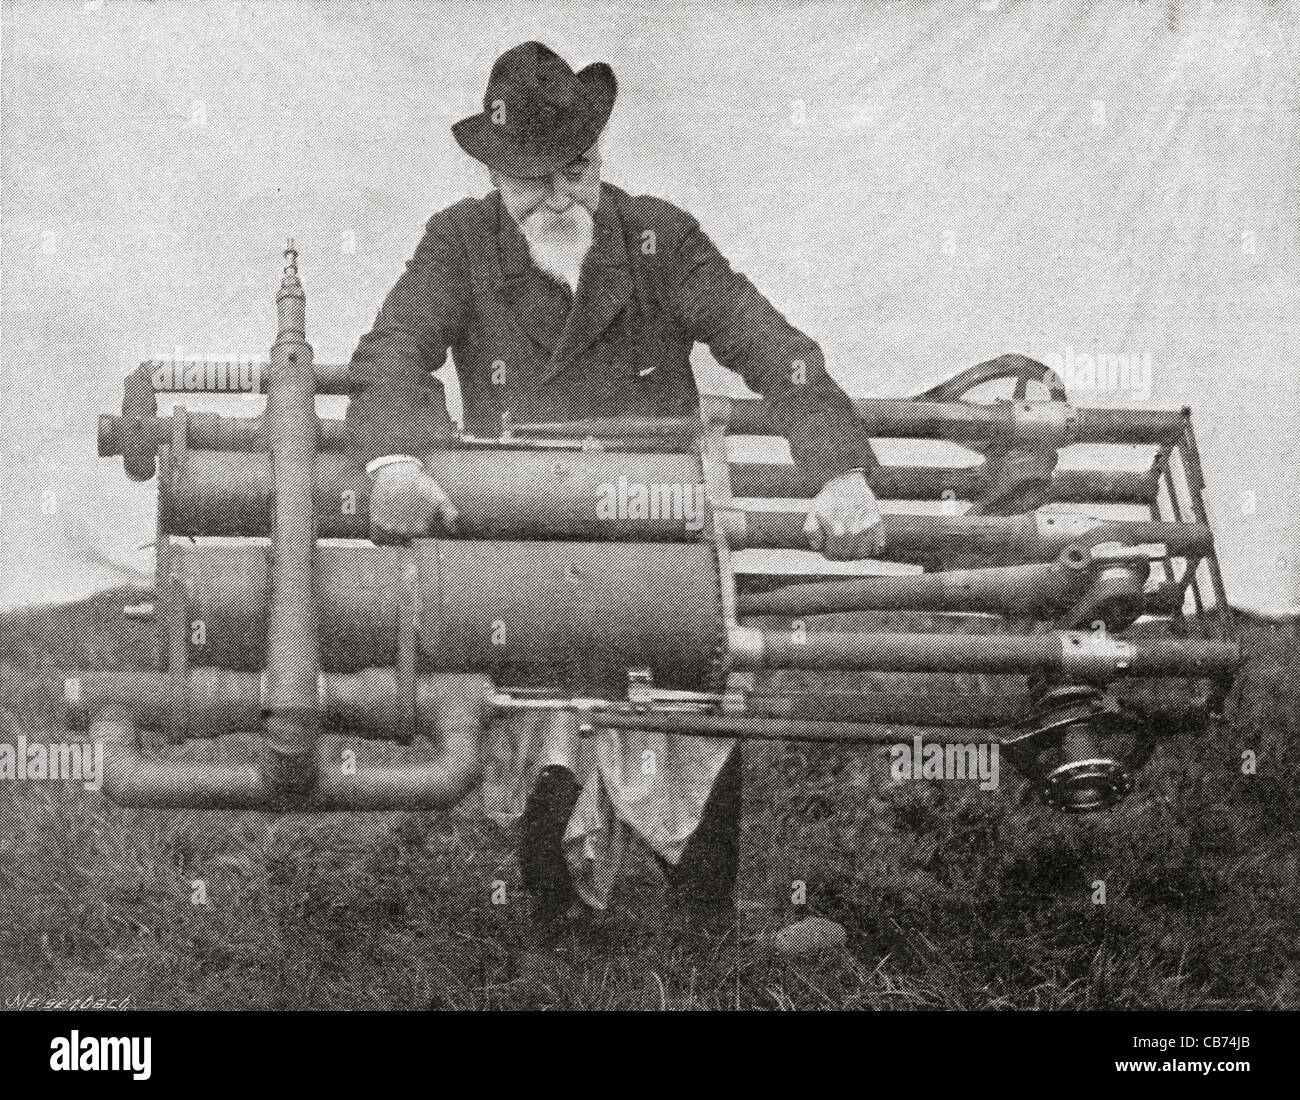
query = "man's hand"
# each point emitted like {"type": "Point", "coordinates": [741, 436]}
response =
{"type": "Point", "coordinates": [844, 520]}
{"type": "Point", "coordinates": [405, 502]}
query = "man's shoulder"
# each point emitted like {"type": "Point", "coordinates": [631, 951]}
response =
{"type": "Point", "coordinates": [469, 211]}
{"type": "Point", "coordinates": [456, 230]}
{"type": "Point", "coordinates": [647, 212]}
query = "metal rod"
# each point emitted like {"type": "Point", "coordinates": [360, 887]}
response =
{"type": "Point", "coordinates": [784, 729]}
{"type": "Point", "coordinates": [119, 435]}
{"type": "Point", "coordinates": [1192, 565]}
{"type": "Point", "coordinates": [1054, 424]}
{"type": "Point", "coordinates": [882, 416]}
{"type": "Point", "coordinates": [771, 480]}
{"type": "Point", "coordinates": [137, 434]}
{"type": "Point", "coordinates": [365, 704]}
{"type": "Point", "coordinates": [1196, 490]}
{"type": "Point", "coordinates": [1079, 655]}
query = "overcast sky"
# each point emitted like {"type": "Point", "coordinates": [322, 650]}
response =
{"type": "Point", "coordinates": [919, 186]}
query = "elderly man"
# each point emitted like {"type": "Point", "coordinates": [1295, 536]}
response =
{"type": "Point", "coordinates": [561, 297]}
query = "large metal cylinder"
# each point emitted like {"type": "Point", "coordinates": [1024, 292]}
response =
{"type": "Point", "coordinates": [497, 494]}
{"type": "Point", "coordinates": [574, 614]}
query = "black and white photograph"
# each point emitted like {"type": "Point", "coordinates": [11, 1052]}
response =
{"type": "Point", "coordinates": [702, 506]}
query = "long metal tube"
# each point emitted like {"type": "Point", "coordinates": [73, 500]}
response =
{"type": "Point", "coordinates": [292, 645]}
{"type": "Point", "coordinates": [208, 431]}
{"type": "Point", "coordinates": [1071, 583]}
{"type": "Point", "coordinates": [883, 417]}
{"type": "Point", "coordinates": [120, 435]}
{"type": "Point", "coordinates": [771, 480]}
{"type": "Point", "coordinates": [455, 709]}
{"type": "Point", "coordinates": [1052, 424]}
{"type": "Point", "coordinates": [1017, 590]}
{"type": "Point", "coordinates": [497, 494]}
{"type": "Point", "coordinates": [221, 701]}
{"type": "Point", "coordinates": [785, 729]}
{"type": "Point", "coordinates": [1026, 538]}
{"type": "Point", "coordinates": [1074, 654]}
{"type": "Point", "coordinates": [367, 704]}
{"type": "Point", "coordinates": [527, 494]}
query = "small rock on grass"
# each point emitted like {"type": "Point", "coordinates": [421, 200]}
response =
{"type": "Point", "coordinates": [809, 937]}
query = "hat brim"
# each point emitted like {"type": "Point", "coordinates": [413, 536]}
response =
{"type": "Point", "coordinates": [503, 153]}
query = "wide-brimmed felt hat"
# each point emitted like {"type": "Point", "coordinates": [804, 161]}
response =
{"type": "Point", "coordinates": [538, 114]}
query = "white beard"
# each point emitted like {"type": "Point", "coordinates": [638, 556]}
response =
{"type": "Point", "coordinates": [558, 243]}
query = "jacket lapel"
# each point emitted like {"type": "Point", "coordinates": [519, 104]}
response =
{"type": "Point", "coordinates": [522, 285]}
{"type": "Point", "coordinates": [604, 287]}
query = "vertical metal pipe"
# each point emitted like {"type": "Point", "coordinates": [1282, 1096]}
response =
{"type": "Point", "coordinates": [1195, 476]}
{"type": "Point", "coordinates": [291, 708]}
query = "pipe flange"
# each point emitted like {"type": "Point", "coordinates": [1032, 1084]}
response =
{"type": "Point", "coordinates": [1082, 748]}
{"type": "Point", "coordinates": [1059, 709]}
{"type": "Point", "coordinates": [139, 407]}
{"type": "Point", "coordinates": [1083, 786]}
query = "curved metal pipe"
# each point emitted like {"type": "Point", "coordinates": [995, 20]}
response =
{"type": "Point", "coordinates": [457, 722]}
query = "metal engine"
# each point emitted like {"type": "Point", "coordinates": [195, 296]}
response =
{"type": "Point", "coordinates": [610, 568]}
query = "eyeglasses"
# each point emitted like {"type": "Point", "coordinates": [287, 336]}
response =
{"type": "Point", "coordinates": [574, 172]}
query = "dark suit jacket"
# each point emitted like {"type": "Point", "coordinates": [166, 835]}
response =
{"type": "Point", "coordinates": [651, 286]}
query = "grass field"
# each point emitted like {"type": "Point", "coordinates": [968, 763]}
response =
{"type": "Point", "coordinates": [952, 898]}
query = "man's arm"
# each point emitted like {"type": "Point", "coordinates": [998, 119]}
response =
{"type": "Point", "coordinates": [398, 411]}
{"type": "Point", "coordinates": [747, 334]}
{"type": "Point", "coordinates": [398, 405]}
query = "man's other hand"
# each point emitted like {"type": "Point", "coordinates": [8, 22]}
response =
{"type": "Point", "coordinates": [405, 502]}
{"type": "Point", "coordinates": [844, 520]}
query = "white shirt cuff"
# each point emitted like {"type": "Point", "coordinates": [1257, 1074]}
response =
{"type": "Point", "coordinates": [378, 464]}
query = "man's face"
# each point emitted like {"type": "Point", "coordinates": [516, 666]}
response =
{"type": "Point", "coordinates": [556, 214]}
{"type": "Point", "coordinates": [576, 183]}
